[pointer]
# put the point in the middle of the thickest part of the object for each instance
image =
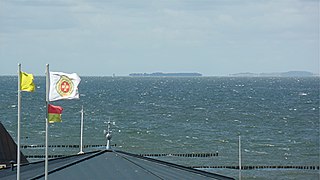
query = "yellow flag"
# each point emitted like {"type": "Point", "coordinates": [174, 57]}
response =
{"type": "Point", "coordinates": [26, 82]}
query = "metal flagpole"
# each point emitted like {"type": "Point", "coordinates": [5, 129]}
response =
{"type": "Point", "coordinates": [81, 132]}
{"type": "Point", "coordinates": [240, 158]}
{"type": "Point", "coordinates": [19, 117]}
{"type": "Point", "coordinates": [47, 123]}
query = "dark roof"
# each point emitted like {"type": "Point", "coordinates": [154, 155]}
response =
{"type": "Point", "coordinates": [108, 164]}
{"type": "Point", "coordinates": [105, 164]}
{"type": "Point", "coordinates": [8, 148]}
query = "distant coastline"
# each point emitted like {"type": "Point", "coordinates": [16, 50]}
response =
{"type": "Point", "coordinates": [279, 74]}
{"type": "Point", "coordinates": [242, 74]}
{"type": "Point", "coordinates": [160, 74]}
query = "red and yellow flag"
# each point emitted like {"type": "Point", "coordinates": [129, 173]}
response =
{"type": "Point", "coordinates": [54, 113]}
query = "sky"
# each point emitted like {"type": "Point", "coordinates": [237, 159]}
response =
{"type": "Point", "coordinates": [106, 37]}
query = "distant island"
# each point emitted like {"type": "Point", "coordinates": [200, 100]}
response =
{"type": "Point", "coordinates": [160, 74]}
{"type": "Point", "coordinates": [280, 74]}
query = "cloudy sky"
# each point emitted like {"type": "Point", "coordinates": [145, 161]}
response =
{"type": "Point", "coordinates": [212, 37]}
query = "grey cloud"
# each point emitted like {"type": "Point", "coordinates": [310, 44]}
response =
{"type": "Point", "coordinates": [18, 16]}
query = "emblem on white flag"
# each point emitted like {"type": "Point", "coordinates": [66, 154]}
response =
{"type": "Point", "coordinates": [63, 86]}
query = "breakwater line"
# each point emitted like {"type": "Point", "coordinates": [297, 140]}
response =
{"type": "Point", "coordinates": [195, 155]}
{"type": "Point", "coordinates": [258, 167]}
{"type": "Point", "coordinates": [63, 146]}
{"type": "Point", "coordinates": [181, 154]}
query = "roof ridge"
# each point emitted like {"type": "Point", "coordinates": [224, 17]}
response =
{"type": "Point", "coordinates": [150, 172]}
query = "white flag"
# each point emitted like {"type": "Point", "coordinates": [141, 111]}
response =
{"type": "Point", "coordinates": [63, 86]}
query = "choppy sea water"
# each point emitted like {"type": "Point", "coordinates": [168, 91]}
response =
{"type": "Point", "coordinates": [277, 119]}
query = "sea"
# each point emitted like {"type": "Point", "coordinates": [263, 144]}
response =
{"type": "Point", "coordinates": [277, 119]}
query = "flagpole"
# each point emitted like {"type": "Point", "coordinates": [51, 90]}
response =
{"type": "Point", "coordinates": [47, 102]}
{"type": "Point", "coordinates": [81, 132]}
{"type": "Point", "coordinates": [240, 158]}
{"type": "Point", "coordinates": [19, 118]}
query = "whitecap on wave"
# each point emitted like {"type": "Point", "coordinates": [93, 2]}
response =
{"type": "Point", "coordinates": [266, 145]}
{"type": "Point", "coordinates": [256, 152]}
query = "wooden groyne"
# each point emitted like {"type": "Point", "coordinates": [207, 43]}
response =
{"type": "Point", "coordinates": [62, 146]}
{"type": "Point", "coordinates": [188, 155]}
{"type": "Point", "coordinates": [43, 156]}
{"type": "Point", "coordinates": [181, 154]}
{"type": "Point", "coordinates": [258, 167]}
{"type": "Point", "coordinates": [145, 155]}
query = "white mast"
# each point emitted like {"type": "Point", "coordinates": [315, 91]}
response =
{"type": "Point", "coordinates": [108, 136]}
{"type": "Point", "coordinates": [240, 158]}
{"type": "Point", "coordinates": [47, 123]}
{"type": "Point", "coordinates": [81, 132]}
{"type": "Point", "coordinates": [19, 117]}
